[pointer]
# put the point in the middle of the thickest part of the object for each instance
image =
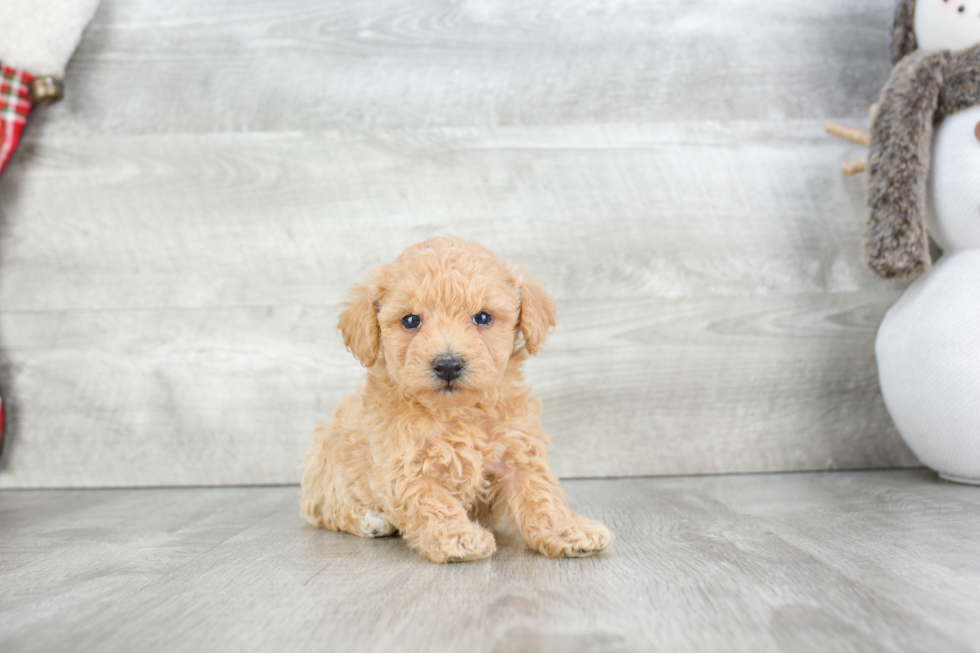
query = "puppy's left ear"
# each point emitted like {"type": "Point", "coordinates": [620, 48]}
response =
{"type": "Point", "coordinates": [537, 313]}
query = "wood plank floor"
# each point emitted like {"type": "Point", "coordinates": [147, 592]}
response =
{"type": "Point", "coordinates": [840, 561]}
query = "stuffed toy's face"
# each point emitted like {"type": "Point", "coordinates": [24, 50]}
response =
{"type": "Point", "coordinates": [947, 24]}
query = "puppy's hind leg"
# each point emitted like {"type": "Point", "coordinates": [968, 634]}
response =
{"type": "Point", "coordinates": [374, 523]}
{"type": "Point", "coordinates": [331, 487]}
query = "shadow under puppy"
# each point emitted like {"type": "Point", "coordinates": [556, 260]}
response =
{"type": "Point", "coordinates": [444, 437]}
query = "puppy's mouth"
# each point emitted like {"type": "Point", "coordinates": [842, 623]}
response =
{"type": "Point", "coordinates": [449, 388]}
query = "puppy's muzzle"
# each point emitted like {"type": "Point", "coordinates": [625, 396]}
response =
{"type": "Point", "coordinates": [448, 368]}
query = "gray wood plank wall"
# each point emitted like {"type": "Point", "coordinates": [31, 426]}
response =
{"type": "Point", "coordinates": [176, 234]}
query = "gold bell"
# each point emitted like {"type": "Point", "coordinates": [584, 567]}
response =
{"type": "Point", "coordinates": [45, 90]}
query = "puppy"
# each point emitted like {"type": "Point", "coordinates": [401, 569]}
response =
{"type": "Point", "coordinates": [444, 438]}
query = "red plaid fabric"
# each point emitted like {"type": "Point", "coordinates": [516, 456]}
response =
{"type": "Point", "coordinates": [15, 104]}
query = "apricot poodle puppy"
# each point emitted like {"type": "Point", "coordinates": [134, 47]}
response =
{"type": "Point", "coordinates": [444, 438]}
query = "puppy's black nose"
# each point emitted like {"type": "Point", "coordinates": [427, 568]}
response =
{"type": "Point", "coordinates": [447, 368]}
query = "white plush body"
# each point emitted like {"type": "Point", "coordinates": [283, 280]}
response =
{"type": "Point", "coordinates": [39, 36]}
{"type": "Point", "coordinates": [928, 346]}
{"type": "Point", "coordinates": [946, 24]}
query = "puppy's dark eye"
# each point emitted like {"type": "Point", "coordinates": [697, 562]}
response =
{"type": "Point", "coordinates": [411, 322]}
{"type": "Point", "coordinates": [482, 319]}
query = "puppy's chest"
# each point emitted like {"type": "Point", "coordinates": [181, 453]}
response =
{"type": "Point", "coordinates": [463, 452]}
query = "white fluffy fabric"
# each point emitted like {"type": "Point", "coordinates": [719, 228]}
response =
{"type": "Point", "coordinates": [954, 191]}
{"type": "Point", "coordinates": [942, 26]}
{"type": "Point", "coordinates": [928, 352]}
{"type": "Point", "coordinates": [39, 36]}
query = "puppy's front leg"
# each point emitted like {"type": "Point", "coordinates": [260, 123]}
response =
{"type": "Point", "coordinates": [540, 511]}
{"type": "Point", "coordinates": [434, 523]}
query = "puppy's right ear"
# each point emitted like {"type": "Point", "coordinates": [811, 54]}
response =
{"type": "Point", "coordinates": [358, 324]}
{"type": "Point", "coordinates": [903, 30]}
{"type": "Point", "coordinates": [896, 244]}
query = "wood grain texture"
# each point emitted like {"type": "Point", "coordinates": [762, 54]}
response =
{"type": "Point", "coordinates": [881, 561]}
{"type": "Point", "coordinates": [685, 209]}
{"type": "Point", "coordinates": [228, 395]}
{"type": "Point", "coordinates": [310, 66]}
{"type": "Point", "coordinates": [173, 246]}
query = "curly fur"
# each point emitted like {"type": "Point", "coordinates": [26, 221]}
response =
{"type": "Point", "coordinates": [439, 465]}
{"type": "Point", "coordinates": [924, 88]}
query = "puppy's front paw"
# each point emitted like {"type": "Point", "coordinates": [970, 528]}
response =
{"type": "Point", "coordinates": [577, 538]}
{"type": "Point", "coordinates": [458, 544]}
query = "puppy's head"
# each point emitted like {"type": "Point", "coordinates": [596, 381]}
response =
{"type": "Point", "coordinates": [444, 319]}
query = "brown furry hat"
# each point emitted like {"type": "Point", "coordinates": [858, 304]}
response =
{"type": "Point", "coordinates": [925, 86]}
{"type": "Point", "coordinates": [903, 32]}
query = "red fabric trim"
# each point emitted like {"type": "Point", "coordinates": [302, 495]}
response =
{"type": "Point", "coordinates": [15, 105]}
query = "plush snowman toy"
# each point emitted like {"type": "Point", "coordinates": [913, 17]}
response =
{"type": "Point", "coordinates": [924, 179]}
